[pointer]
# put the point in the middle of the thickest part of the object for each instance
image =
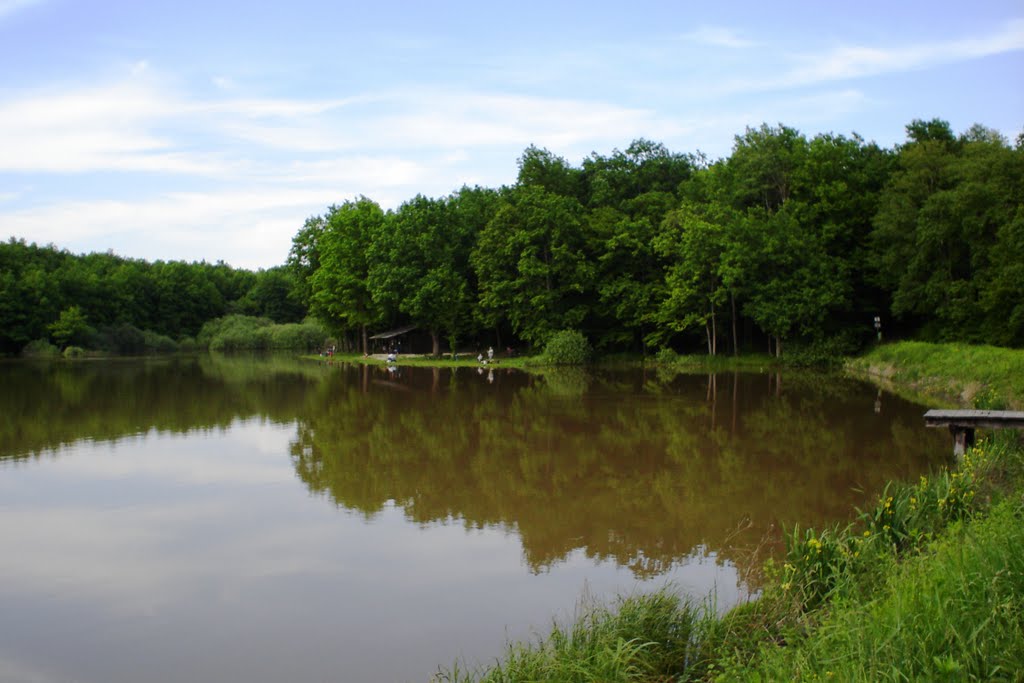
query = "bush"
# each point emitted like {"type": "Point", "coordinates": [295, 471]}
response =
{"type": "Point", "coordinates": [40, 348]}
{"type": "Point", "coordinates": [820, 353]}
{"type": "Point", "coordinates": [123, 339]}
{"type": "Point", "coordinates": [666, 357]}
{"type": "Point", "coordinates": [295, 336]}
{"type": "Point", "coordinates": [158, 343]}
{"type": "Point", "coordinates": [74, 352]}
{"type": "Point", "coordinates": [246, 333]}
{"type": "Point", "coordinates": [568, 347]}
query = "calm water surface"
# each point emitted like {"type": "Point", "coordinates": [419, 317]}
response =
{"type": "Point", "coordinates": [243, 519]}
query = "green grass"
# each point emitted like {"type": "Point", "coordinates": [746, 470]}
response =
{"type": "Point", "coordinates": [648, 637]}
{"type": "Point", "coordinates": [955, 613]}
{"type": "Point", "coordinates": [961, 374]}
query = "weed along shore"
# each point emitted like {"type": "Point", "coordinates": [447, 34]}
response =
{"type": "Point", "coordinates": [927, 583]}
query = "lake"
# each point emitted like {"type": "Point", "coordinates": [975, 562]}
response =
{"type": "Point", "coordinates": [272, 519]}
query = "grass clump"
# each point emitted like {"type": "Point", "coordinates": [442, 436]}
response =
{"type": "Point", "coordinates": [649, 637]}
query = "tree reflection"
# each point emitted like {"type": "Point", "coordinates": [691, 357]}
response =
{"type": "Point", "coordinates": [637, 468]}
{"type": "Point", "coordinates": [623, 470]}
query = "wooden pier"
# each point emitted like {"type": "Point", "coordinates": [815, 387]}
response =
{"type": "Point", "coordinates": [962, 424]}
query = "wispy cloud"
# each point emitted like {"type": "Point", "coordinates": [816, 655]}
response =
{"type": "Point", "coordinates": [9, 7]}
{"type": "Point", "coordinates": [848, 62]}
{"type": "Point", "coordinates": [718, 36]}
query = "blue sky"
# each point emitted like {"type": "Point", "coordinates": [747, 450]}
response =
{"type": "Point", "coordinates": [184, 130]}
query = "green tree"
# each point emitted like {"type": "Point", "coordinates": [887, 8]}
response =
{"type": "Point", "coordinates": [792, 282]}
{"type": "Point", "coordinates": [532, 264]}
{"type": "Point", "coordinates": [71, 327]}
{"type": "Point", "coordinates": [340, 294]}
{"type": "Point", "coordinates": [420, 267]}
{"type": "Point", "coordinates": [694, 284]}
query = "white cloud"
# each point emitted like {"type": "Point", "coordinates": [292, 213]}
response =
{"type": "Point", "coordinates": [718, 36]}
{"type": "Point", "coordinates": [858, 61]}
{"type": "Point", "coordinates": [8, 7]}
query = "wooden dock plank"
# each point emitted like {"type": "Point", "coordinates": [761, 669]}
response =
{"type": "Point", "coordinates": [977, 419]}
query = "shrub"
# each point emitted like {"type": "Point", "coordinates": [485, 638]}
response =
{"type": "Point", "coordinates": [74, 352]}
{"type": "Point", "coordinates": [820, 353]}
{"type": "Point", "coordinates": [158, 343]}
{"type": "Point", "coordinates": [666, 357]}
{"type": "Point", "coordinates": [568, 347]}
{"type": "Point", "coordinates": [40, 348]}
{"type": "Point", "coordinates": [296, 336]}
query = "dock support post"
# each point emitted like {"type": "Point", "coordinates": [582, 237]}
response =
{"type": "Point", "coordinates": [963, 438]}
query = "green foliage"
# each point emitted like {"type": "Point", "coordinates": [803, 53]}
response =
{"type": "Point", "coordinates": [666, 356]}
{"type": "Point", "coordinates": [158, 343]}
{"type": "Point", "coordinates": [40, 348]}
{"type": "Point", "coordinates": [246, 333]}
{"type": "Point", "coordinates": [532, 265]}
{"type": "Point", "coordinates": [47, 291]}
{"type": "Point", "coordinates": [816, 564]}
{"type": "Point", "coordinates": [74, 352]}
{"type": "Point", "coordinates": [567, 347]}
{"type": "Point", "coordinates": [71, 326]}
{"type": "Point", "coordinates": [640, 638]}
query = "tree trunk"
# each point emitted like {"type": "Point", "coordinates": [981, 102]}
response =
{"type": "Point", "coordinates": [707, 335]}
{"type": "Point", "coordinates": [714, 332]}
{"type": "Point", "coordinates": [735, 346]}
{"type": "Point", "coordinates": [435, 341]}
{"type": "Point", "coordinates": [366, 342]}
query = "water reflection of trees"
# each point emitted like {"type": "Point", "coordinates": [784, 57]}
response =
{"type": "Point", "coordinates": [635, 471]}
{"type": "Point", "coordinates": [638, 468]}
{"type": "Point", "coordinates": [45, 405]}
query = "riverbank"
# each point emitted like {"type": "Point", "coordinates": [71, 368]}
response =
{"type": "Point", "coordinates": [927, 584]}
{"type": "Point", "coordinates": [955, 374]}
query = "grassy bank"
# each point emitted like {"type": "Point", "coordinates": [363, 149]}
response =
{"type": "Point", "coordinates": [926, 584]}
{"type": "Point", "coordinates": [980, 376]}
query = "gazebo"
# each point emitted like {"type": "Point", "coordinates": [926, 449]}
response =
{"type": "Point", "coordinates": [391, 337]}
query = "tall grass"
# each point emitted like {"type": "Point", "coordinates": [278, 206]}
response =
{"type": "Point", "coordinates": [955, 614]}
{"type": "Point", "coordinates": [650, 637]}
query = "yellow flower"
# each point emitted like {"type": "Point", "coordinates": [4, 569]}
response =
{"type": "Point", "coordinates": [867, 533]}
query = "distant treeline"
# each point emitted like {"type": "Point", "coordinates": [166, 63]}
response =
{"type": "Point", "coordinates": [119, 305]}
{"type": "Point", "coordinates": [789, 240]}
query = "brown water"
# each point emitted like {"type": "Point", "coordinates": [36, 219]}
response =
{"type": "Point", "coordinates": [243, 519]}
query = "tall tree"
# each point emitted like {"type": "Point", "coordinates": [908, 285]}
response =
{"type": "Point", "coordinates": [532, 264]}
{"type": "Point", "coordinates": [419, 266]}
{"type": "Point", "coordinates": [694, 284]}
{"type": "Point", "coordinates": [336, 249]}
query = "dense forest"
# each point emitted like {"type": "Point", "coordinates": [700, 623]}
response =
{"type": "Point", "coordinates": [788, 240]}
{"type": "Point", "coordinates": [789, 243]}
{"type": "Point", "coordinates": [110, 303]}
